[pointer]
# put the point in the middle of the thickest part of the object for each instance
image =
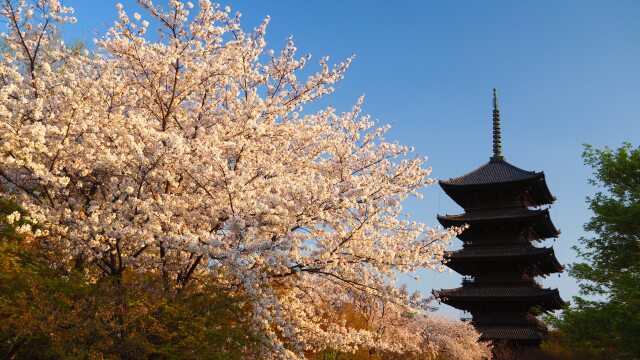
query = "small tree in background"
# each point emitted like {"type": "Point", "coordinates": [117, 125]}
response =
{"type": "Point", "coordinates": [418, 335]}
{"type": "Point", "coordinates": [604, 321]}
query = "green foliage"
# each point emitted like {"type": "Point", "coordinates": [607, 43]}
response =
{"type": "Point", "coordinates": [609, 327]}
{"type": "Point", "coordinates": [56, 314]}
{"type": "Point", "coordinates": [614, 253]}
{"type": "Point", "coordinates": [26, 283]}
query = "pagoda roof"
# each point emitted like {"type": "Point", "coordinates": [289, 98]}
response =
{"type": "Point", "coordinates": [498, 174]}
{"type": "Point", "coordinates": [510, 333]}
{"type": "Point", "coordinates": [494, 214]}
{"type": "Point", "coordinates": [465, 260]}
{"type": "Point", "coordinates": [484, 252]}
{"type": "Point", "coordinates": [493, 172]}
{"type": "Point", "coordinates": [469, 293]}
{"type": "Point", "coordinates": [497, 291]}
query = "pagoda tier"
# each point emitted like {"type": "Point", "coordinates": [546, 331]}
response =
{"type": "Point", "coordinates": [473, 259]}
{"type": "Point", "coordinates": [513, 224]}
{"type": "Point", "coordinates": [527, 335]}
{"type": "Point", "coordinates": [501, 205]}
{"type": "Point", "coordinates": [522, 296]}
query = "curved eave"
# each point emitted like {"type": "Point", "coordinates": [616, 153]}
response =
{"type": "Point", "coordinates": [545, 193]}
{"type": "Point", "coordinates": [555, 264]}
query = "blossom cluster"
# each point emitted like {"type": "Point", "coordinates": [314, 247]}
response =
{"type": "Point", "coordinates": [192, 154]}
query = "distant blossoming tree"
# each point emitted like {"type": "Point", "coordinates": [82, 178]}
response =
{"type": "Point", "coordinates": [401, 333]}
{"type": "Point", "coordinates": [191, 154]}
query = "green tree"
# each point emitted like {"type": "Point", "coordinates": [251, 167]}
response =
{"type": "Point", "coordinates": [51, 313]}
{"type": "Point", "coordinates": [605, 320]}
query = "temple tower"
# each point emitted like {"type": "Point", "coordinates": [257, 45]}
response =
{"type": "Point", "coordinates": [503, 206]}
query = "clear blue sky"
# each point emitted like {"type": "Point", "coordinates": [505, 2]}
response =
{"type": "Point", "coordinates": [567, 72]}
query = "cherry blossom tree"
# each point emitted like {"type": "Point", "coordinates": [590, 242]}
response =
{"type": "Point", "coordinates": [404, 333]}
{"type": "Point", "coordinates": [193, 154]}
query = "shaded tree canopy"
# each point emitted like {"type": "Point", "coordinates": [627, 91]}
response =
{"type": "Point", "coordinates": [605, 320]}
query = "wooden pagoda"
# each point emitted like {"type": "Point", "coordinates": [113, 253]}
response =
{"type": "Point", "coordinates": [502, 206]}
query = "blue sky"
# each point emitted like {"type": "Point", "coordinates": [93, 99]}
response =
{"type": "Point", "coordinates": [567, 73]}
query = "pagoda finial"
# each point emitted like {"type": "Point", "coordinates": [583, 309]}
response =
{"type": "Point", "coordinates": [497, 140]}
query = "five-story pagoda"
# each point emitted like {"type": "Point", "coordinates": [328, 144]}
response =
{"type": "Point", "coordinates": [502, 206]}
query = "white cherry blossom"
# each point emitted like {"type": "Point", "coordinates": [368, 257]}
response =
{"type": "Point", "coordinates": [194, 153]}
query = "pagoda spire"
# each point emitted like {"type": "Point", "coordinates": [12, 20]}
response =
{"type": "Point", "coordinates": [497, 139]}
